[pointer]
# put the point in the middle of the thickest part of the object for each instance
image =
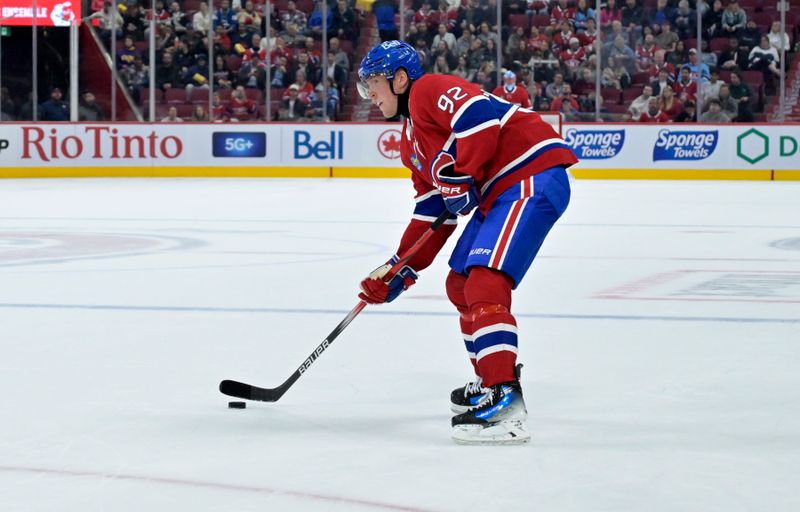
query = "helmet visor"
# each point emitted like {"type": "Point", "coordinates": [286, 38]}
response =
{"type": "Point", "coordinates": [363, 89]}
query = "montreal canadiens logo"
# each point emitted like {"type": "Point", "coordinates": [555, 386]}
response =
{"type": "Point", "coordinates": [389, 144]}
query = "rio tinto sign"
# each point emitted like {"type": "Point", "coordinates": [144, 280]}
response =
{"type": "Point", "coordinates": [49, 13]}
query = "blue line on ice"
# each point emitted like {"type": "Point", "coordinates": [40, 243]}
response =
{"type": "Point", "coordinates": [294, 311]}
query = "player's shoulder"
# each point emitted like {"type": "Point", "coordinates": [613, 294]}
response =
{"type": "Point", "coordinates": [431, 86]}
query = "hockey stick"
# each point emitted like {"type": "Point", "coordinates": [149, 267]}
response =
{"type": "Point", "coordinates": [249, 392]}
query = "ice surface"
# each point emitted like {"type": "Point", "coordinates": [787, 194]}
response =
{"type": "Point", "coordinates": [660, 329]}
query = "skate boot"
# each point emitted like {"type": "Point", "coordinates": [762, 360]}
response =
{"type": "Point", "coordinates": [468, 396]}
{"type": "Point", "coordinates": [499, 418]}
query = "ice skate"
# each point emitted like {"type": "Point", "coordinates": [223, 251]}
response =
{"type": "Point", "coordinates": [499, 418]}
{"type": "Point", "coordinates": [468, 397]}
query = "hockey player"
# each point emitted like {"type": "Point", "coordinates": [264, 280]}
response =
{"type": "Point", "coordinates": [470, 150]}
{"type": "Point", "coordinates": [511, 92]}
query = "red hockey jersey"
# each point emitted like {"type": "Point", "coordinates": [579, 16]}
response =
{"type": "Point", "coordinates": [492, 140]}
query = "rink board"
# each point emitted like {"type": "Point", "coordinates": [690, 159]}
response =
{"type": "Point", "coordinates": [361, 150]}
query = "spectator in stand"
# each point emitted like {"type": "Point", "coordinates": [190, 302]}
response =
{"type": "Point", "coordinates": [442, 51]}
{"type": "Point", "coordinates": [688, 114]}
{"type": "Point", "coordinates": [641, 103]}
{"type": "Point", "coordinates": [520, 53]}
{"type": "Point", "coordinates": [562, 12]}
{"type": "Point", "coordinates": [136, 77]}
{"type": "Point", "coordinates": [670, 105]}
{"type": "Point", "coordinates": [340, 56]}
{"type": "Point", "coordinates": [241, 39]}
{"type": "Point", "coordinates": [707, 58]}
{"type": "Point", "coordinates": [573, 58]}
{"type": "Point", "coordinates": [253, 73]}
{"type": "Point", "coordinates": [167, 73]}
{"type": "Point", "coordinates": [610, 13]}
{"type": "Point", "coordinates": [294, 38]}
{"type": "Point", "coordinates": [712, 20]}
{"type": "Point", "coordinates": [556, 88]}
{"type": "Point", "coordinates": [463, 43]}
{"type": "Point", "coordinates": [654, 113]}
{"type": "Point", "coordinates": [172, 116]}
{"type": "Point", "coordinates": [623, 54]}
{"type": "Point", "coordinates": [222, 42]}
{"type": "Point", "coordinates": [729, 105]}
{"type": "Point", "coordinates": [734, 20]}
{"type": "Point", "coordinates": [133, 23]}
{"type": "Point", "coordinates": [160, 14]}
{"type": "Point", "coordinates": [585, 85]}
{"type": "Point", "coordinates": [199, 114]}
{"type": "Point", "coordinates": [450, 39]}
{"type": "Point", "coordinates": [741, 92]}
{"type": "Point", "coordinates": [615, 75]}
{"type": "Point", "coordinates": [89, 110]}
{"type": "Point", "coordinates": [320, 106]}
{"type": "Point", "coordinates": [462, 71]}
{"type": "Point", "coordinates": [482, 81]}
{"type": "Point", "coordinates": [304, 88]}
{"type": "Point", "coordinates": [110, 23]}
{"type": "Point", "coordinates": [733, 57]}
{"type": "Point", "coordinates": [699, 71]}
{"type": "Point", "coordinates": [241, 107]}
{"type": "Point", "coordinates": [337, 75]}
{"type": "Point", "coordinates": [685, 20]}
{"type": "Point", "coordinates": [616, 31]}
{"type": "Point", "coordinates": [475, 54]}
{"type": "Point", "coordinates": [249, 18]}
{"type": "Point", "coordinates": [567, 108]}
{"type": "Point", "coordinates": [662, 14]}
{"type": "Point", "coordinates": [511, 92]}
{"type": "Point", "coordinates": [667, 39]}
{"type": "Point", "coordinates": [223, 76]}
{"type": "Point", "coordinates": [645, 54]}
{"type": "Point", "coordinates": [588, 36]}
{"type": "Point", "coordinates": [385, 12]}
{"type": "Point", "coordinates": [177, 19]}
{"type": "Point", "coordinates": [315, 21]}
{"type": "Point", "coordinates": [566, 96]}
{"type": "Point", "coordinates": [685, 87]}
{"type": "Point", "coordinates": [485, 33]}
{"type": "Point", "coordinates": [344, 21]}
{"type": "Point", "coordinates": [280, 73]}
{"type": "Point", "coordinates": [561, 39]}
{"type": "Point", "coordinates": [219, 112]}
{"type": "Point", "coordinates": [765, 58]}
{"type": "Point", "coordinates": [632, 17]}
{"type": "Point", "coordinates": [445, 15]}
{"type": "Point", "coordinates": [311, 72]}
{"type": "Point", "coordinates": [778, 39]}
{"type": "Point", "coordinates": [710, 89]}
{"type": "Point", "coordinates": [196, 76]}
{"type": "Point", "coordinates": [292, 107]}
{"type": "Point", "coordinates": [127, 53]}
{"type": "Point", "coordinates": [714, 113]}
{"type": "Point", "coordinates": [225, 17]}
{"type": "Point", "coordinates": [292, 16]}
{"type": "Point", "coordinates": [583, 13]}
{"type": "Point", "coordinates": [662, 82]}
{"type": "Point", "coordinates": [679, 56]}
{"type": "Point", "coordinates": [750, 37]}
{"type": "Point", "coordinates": [201, 21]}
{"type": "Point", "coordinates": [491, 53]}
{"type": "Point", "coordinates": [425, 15]}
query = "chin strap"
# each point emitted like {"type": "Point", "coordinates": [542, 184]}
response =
{"type": "Point", "coordinates": [402, 99]}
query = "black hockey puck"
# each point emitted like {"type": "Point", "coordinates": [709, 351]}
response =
{"type": "Point", "coordinates": [237, 405]}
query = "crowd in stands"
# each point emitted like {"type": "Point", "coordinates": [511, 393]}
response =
{"type": "Point", "coordinates": [294, 64]}
{"type": "Point", "coordinates": [650, 67]}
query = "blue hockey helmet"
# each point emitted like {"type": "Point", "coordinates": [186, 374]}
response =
{"type": "Point", "coordinates": [385, 59]}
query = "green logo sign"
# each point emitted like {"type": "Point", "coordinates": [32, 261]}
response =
{"type": "Point", "coordinates": [752, 146]}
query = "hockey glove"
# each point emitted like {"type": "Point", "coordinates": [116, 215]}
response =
{"type": "Point", "coordinates": [374, 290]}
{"type": "Point", "coordinates": [458, 190]}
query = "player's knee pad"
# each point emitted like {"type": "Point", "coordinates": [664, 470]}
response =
{"type": "Point", "coordinates": [487, 287]}
{"type": "Point", "coordinates": [454, 285]}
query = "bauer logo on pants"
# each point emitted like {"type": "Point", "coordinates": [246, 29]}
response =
{"type": "Point", "coordinates": [685, 145]}
{"type": "Point", "coordinates": [595, 144]}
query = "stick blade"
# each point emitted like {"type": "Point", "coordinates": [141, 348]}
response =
{"type": "Point", "coordinates": [248, 392]}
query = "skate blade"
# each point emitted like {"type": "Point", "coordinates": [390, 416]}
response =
{"type": "Point", "coordinates": [461, 409]}
{"type": "Point", "coordinates": [505, 432]}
